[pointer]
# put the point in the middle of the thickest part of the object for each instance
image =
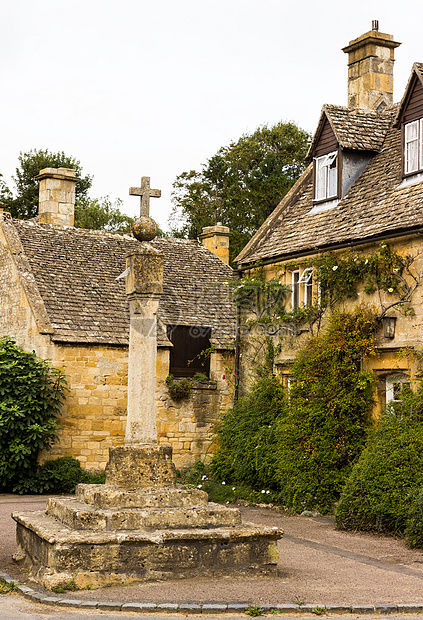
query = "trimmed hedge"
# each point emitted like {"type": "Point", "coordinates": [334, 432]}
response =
{"type": "Point", "coordinates": [379, 493]}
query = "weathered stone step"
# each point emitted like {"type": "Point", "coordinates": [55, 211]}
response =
{"type": "Point", "coordinates": [108, 496]}
{"type": "Point", "coordinates": [58, 554]}
{"type": "Point", "coordinates": [82, 516]}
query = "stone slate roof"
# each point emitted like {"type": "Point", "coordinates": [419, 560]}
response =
{"type": "Point", "coordinates": [75, 272]}
{"type": "Point", "coordinates": [355, 128]}
{"type": "Point", "coordinates": [377, 204]}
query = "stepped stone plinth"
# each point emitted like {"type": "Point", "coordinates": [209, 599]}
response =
{"type": "Point", "coordinates": [110, 535]}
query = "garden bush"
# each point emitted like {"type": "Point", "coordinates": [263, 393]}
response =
{"type": "Point", "coordinates": [414, 527]}
{"type": "Point", "coordinates": [329, 414]}
{"type": "Point", "coordinates": [380, 490]}
{"type": "Point", "coordinates": [61, 475]}
{"type": "Point", "coordinates": [302, 447]}
{"type": "Point", "coordinates": [247, 436]}
{"type": "Point", "coordinates": [31, 396]}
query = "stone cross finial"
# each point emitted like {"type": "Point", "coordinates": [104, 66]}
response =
{"type": "Point", "coordinates": [145, 192]}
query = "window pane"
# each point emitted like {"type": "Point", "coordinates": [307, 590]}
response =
{"type": "Point", "coordinates": [320, 179]}
{"type": "Point", "coordinates": [332, 182]}
{"type": "Point", "coordinates": [308, 292]}
{"type": "Point", "coordinates": [295, 289]}
{"type": "Point", "coordinates": [412, 147]}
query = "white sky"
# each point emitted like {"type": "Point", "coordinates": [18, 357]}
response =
{"type": "Point", "coordinates": [153, 88]}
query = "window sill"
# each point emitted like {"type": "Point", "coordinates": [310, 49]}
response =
{"type": "Point", "coordinates": [411, 179]}
{"type": "Point", "coordinates": [321, 207]}
{"type": "Point", "coordinates": [207, 385]}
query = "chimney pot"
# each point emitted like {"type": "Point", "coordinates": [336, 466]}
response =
{"type": "Point", "coordinates": [375, 24]}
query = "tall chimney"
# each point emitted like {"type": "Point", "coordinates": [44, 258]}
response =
{"type": "Point", "coordinates": [56, 203]}
{"type": "Point", "coordinates": [371, 69]}
{"type": "Point", "coordinates": [216, 239]}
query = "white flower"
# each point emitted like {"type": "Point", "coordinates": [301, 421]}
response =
{"type": "Point", "coordinates": [223, 482]}
{"type": "Point", "coordinates": [233, 488]}
{"type": "Point", "coordinates": [263, 491]}
{"type": "Point", "coordinates": [203, 477]}
{"type": "Point", "coordinates": [366, 261]}
{"type": "Point", "coordinates": [335, 267]}
{"type": "Point", "coordinates": [199, 486]}
{"type": "Point", "coordinates": [267, 492]}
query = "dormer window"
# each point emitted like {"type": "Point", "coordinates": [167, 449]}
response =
{"type": "Point", "coordinates": [326, 179]}
{"type": "Point", "coordinates": [413, 147]}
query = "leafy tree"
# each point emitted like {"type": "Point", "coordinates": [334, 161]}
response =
{"type": "Point", "coordinates": [241, 184]}
{"type": "Point", "coordinates": [24, 204]}
{"type": "Point", "coordinates": [31, 396]}
{"type": "Point", "coordinates": [102, 214]}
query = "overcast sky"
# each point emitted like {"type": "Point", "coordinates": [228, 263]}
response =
{"type": "Point", "coordinates": [153, 88]}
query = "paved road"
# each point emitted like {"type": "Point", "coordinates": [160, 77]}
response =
{"type": "Point", "coordinates": [317, 565]}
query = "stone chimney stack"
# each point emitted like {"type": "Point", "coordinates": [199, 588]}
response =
{"type": "Point", "coordinates": [216, 239]}
{"type": "Point", "coordinates": [57, 196]}
{"type": "Point", "coordinates": [370, 69]}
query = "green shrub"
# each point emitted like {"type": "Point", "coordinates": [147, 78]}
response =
{"type": "Point", "coordinates": [378, 493]}
{"type": "Point", "coordinates": [61, 475]}
{"type": "Point", "coordinates": [31, 396]}
{"type": "Point", "coordinates": [247, 436]}
{"type": "Point", "coordinates": [178, 388]}
{"type": "Point", "coordinates": [414, 527]}
{"type": "Point", "coordinates": [329, 414]}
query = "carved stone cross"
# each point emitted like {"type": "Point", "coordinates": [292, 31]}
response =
{"type": "Point", "coordinates": [145, 192]}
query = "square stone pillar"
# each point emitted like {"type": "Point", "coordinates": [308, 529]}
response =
{"type": "Point", "coordinates": [57, 196]}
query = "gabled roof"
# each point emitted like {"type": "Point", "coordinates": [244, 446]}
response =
{"type": "Point", "coordinates": [416, 72]}
{"type": "Point", "coordinates": [74, 271]}
{"type": "Point", "coordinates": [354, 128]}
{"type": "Point", "coordinates": [378, 204]}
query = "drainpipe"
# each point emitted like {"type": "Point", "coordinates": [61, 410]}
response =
{"type": "Point", "coordinates": [238, 275]}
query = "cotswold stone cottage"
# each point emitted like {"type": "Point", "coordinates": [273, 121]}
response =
{"type": "Point", "coordinates": [363, 187]}
{"type": "Point", "coordinates": [61, 296]}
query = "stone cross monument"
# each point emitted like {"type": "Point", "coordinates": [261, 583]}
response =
{"type": "Point", "coordinates": [145, 193]}
{"type": "Point", "coordinates": [144, 286]}
{"type": "Point", "coordinates": [141, 525]}
{"type": "Point", "coordinates": [141, 460]}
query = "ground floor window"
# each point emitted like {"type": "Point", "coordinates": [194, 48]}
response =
{"type": "Point", "coordinates": [187, 356]}
{"type": "Point", "coordinates": [394, 386]}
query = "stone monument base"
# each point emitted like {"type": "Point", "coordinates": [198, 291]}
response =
{"type": "Point", "coordinates": [111, 535]}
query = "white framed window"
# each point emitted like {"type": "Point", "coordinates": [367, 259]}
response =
{"type": "Point", "coordinates": [307, 280]}
{"type": "Point", "coordinates": [394, 387]}
{"type": "Point", "coordinates": [295, 289]}
{"type": "Point", "coordinates": [301, 287]}
{"type": "Point", "coordinates": [413, 146]}
{"type": "Point", "coordinates": [326, 176]}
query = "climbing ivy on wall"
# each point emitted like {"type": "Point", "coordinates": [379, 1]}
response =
{"type": "Point", "coordinates": [303, 444]}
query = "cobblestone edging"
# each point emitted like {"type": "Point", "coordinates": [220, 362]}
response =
{"type": "Point", "coordinates": [208, 608]}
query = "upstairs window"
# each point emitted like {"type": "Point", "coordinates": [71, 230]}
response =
{"type": "Point", "coordinates": [187, 354]}
{"type": "Point", "coordinates": [413, 146]}
{"type": "Point", "coordinates": [326, 176]}
{"type": "Point", "coordinates": [307, 280]}
{"type": "Point", "coordinates": [301, 288]}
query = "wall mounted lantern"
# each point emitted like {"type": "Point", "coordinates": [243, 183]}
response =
{"type": "Point", "coordinates": [388, 323]}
